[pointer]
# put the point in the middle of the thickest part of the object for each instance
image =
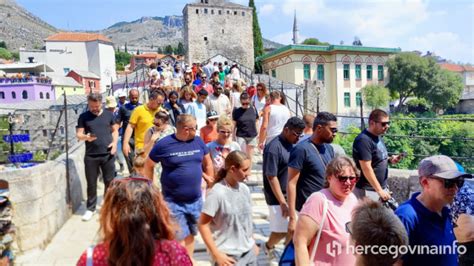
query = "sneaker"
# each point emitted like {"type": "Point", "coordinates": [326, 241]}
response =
{"type": "Point", "coordinates": [88, 215]}
{"type": "Point", "coordinates": [269, 252]}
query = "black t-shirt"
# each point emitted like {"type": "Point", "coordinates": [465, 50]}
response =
{"type": "Point", "coordinates": [304, 157]}
{"type": "Point", "coordinates": [275, 163]}
{"type": "Point", "coordinates": [124, 114]}
{"type": "Point", "coordinates": [101, 126]}
{"type": "Point", "coordinates": [368, 147]}
{"type": "Point", "coordinates": [245, 122]}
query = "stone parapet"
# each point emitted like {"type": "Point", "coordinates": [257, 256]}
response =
{"type": "Point", "coordinates": [39, 197]}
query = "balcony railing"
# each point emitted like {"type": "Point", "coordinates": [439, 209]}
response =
{"type": "Point", "coordinates": [30, 79]}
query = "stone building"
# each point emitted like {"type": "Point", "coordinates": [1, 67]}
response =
{"type": "Point", "coordinates": [214, 27]}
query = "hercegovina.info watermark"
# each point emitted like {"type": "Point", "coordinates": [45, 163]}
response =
{"type": "Point", "coordinates": [335, 248]}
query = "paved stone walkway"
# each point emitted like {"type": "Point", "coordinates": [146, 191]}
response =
{"type": "Point", "coordinates": [75, 236]}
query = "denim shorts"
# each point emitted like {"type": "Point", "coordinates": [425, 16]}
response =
{"type": "Point", "coordinates": [186, 215]}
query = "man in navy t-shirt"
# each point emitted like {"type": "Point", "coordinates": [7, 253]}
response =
{"type": "Point", "coordinates": [307, 164]}
{"type": "Point", "coordinates": [183, 156]}
{"type": "Point", "coordinates": [426, 216]}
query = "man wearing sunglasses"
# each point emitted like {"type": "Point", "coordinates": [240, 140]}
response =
{"type": "Point", "coordinates": [426, 216]}
{"type": "Point", "coordinates": [371, 157]}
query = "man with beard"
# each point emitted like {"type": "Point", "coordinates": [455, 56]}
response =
{"type": "Point", "coordinates": [123, 116]}
{"type": "Point", "coordinates": [307, 164]}
{"type": "Point", "coordinates": [371, 157]}
{"type": "Point", "coordinates": [98, 129]}
{"type": "Point", "coordinates": [217, 101]}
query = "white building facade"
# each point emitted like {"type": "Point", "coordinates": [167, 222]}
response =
{"type": "Point", "coordinates": [77, 51]}
{"type": "Point", "coordinates": [341, 70]}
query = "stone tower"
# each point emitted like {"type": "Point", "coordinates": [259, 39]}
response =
{"type": "Point", "coordinates": [295, 30]}
{"type": "Point", "coordinates": [213, 27]}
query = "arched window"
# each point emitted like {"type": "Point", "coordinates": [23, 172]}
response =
{"type": "Point", "coordinates": [13, 95]}
{"type": "Point", "coordinates": [2, 95]}
{"type": "Point", "coordinates": [24, 95]}
{"type": "Point", "coordinates": [41, 95]}
{"type": "Point", "coordinates": [47, 95]}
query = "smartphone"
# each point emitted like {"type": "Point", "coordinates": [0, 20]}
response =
{"type": "Point", "coordinates": [92, 135]}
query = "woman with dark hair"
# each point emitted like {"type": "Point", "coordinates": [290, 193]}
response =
{"type": "Point", "coordinates": [160, 129]}
{"type": "Point", "coordinates": [226, 219]}
{"type": "Point", "coordinates": [323, 218]}
{"type": "Point", "coordinates": [174, 107]}
{"type": "Point", "coordinates": [136, 228]}
{"type": "Point", "coordinates": [245, 124]}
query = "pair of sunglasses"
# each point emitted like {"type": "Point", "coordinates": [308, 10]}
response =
{"type": "Point", "coordinates": [384, 124]}
{"type": "Point", "coordinates": [450, 183]}
{"type": "Point", "coordinates": [343, 179]}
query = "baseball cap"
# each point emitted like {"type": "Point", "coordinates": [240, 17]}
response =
{"type": "Point", "coordinates": [110, 102]}
{"type": "Point", "coordinates": [212, 115]}
{"type": "Point", "coordinates": [203, 92]}
{"type": "Point", "coordinates": [122, 94]}
{"type": "Point", "coordinates": [440, 166]}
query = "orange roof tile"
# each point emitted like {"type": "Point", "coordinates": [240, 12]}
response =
{"type": "Point", "coordinates": [78, 37]}
{"type": "Point", "coordinates": [452, 67]}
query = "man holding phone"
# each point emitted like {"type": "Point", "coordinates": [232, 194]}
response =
{"type": "Point", "coordinates": [371, 156]}
{"type": "Point", "coordinates": [97, 127]}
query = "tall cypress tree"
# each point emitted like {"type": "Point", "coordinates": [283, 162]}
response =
{"type": "Point", "coordinates": [257, 37]}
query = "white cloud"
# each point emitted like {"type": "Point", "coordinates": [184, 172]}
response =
{"type": "Point", "coordinates": [266, 9]}
{"type": "Point", "coordinates": [287, 38]}
{"type": "Point", "coordinates": [445, 44]}
{"type": "Point", "coordinates": [372, 21]}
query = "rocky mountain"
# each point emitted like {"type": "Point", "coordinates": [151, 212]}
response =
{"type": "Point", "coordinates": [20, 28]}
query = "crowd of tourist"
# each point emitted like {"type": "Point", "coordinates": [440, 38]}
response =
{"type": "Point", "coordinates": [189, 150]}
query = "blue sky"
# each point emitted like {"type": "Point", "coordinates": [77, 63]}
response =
{"type": "Point", "coordinates": [443, 26]}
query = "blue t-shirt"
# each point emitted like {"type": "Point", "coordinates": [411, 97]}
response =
{"type": "Point", "coordinates": [304, 157]}
{"type": "Point", "coordinates": [182, 167]}
{"type": "Point", "coordinates": [426, 229]}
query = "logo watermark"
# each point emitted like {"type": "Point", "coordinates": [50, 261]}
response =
{"type": "Point", "coordinates": [335, 248]}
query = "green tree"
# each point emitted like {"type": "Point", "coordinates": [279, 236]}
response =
{"type": "Point", "coordinates": [314, 41]}
{"type": "Point", "coordinates": [180, 50]}
{"type": "Point", "coordinates": [168, 49]}
{"type": "Point", "coordinates": [159, 50]}
{"type": "Point", "coordinates": [257, 37]}
{"type": "Point", "coordinates": [126, 49]}
{"type": "Point", "coordinates": [375, 96]}
{"type": "Point", "coordinates": [5, 54]}
{"type": "Point", "coordinates": [412, 75]}
{"type": "Point", "coordinates": [121, 60]}
{"type": "Point", "coordinates": [16, 56]}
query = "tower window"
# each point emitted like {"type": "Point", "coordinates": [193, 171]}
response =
{"type": "Point", "coordinates": [243, 14]}
{"type": "Point", "coordinates": [205, 10]}
{"type": "Point", "coordinates": [212, 11]}
{"type": "Point", "coordinates": [228, 12]}
{"type": "Point", "coordinates": [235, 13]}
{"type": "Point", "coordinates": [220, 12]}
{"type": "Point", "coordinates": [197, 11]}
{"type": "Point", "coordinates": [205, 38]}
{"type": "Point", "coordinates": [222, 31]}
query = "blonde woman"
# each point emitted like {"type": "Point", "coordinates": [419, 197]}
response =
{"type": "Point", "coordinates": [187, 96]}
{"type": "Point", "coordinates": [223, 145]}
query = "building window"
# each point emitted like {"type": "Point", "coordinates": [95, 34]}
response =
{"type": "Point", "coordinates": [205, 10]}
{"type": "Point", "coordinates": [358, 72]}
{"type": "Point", "coordinates": [92, 84]}
{"type": "Point", "coordinates": [47, 95]}
{"type": "Point", "coordinates": [346, 71]}
{"type": "Point", "coordinates": [320, 72]}
{"type": "Point", "coordinates": [13, 95]}
{"type": "Point", "coordinates": [24, 95]}
{"type": "Point", "coordinates": [212, 11]}
{"type": "Point", "coordinates": [380, 72]}
{"type": "Point", "coordinates": [45, 133]}
{"type": "Point", "coordinates": [274, 73]}
{"type": "Point", "coordinates": [206, 1]}
{"type": "Point", "coordinates": [41, 95]}
{"type": "Point", "coordinates": [347, 99]}
{"type": "Point", "coordinates": [358, 99]}
{"type": "Point", "coordinates": [61, 129]}
{"type": "Point", "coordinates": [228, 12]}
{"type": "Point", "coordinates": [243, 14]}
{"type": "Point", "coordinates": [197, 11]}
{"type": "Point", "coordinates": [66, 70]}
{"type": "Point", "coordinates": [369, 72]}
{"type": "Point", "coordinates": [2, 95]}
{"type": "Point", "coordinates": [205, 38]}
{"type": "Point", "coordinates": [307, 71]}
{"type": "Point", "coordinates": [235, 13]}
{"type": "Point", "coordinates": [222, 31]}
{"type": "Point", "coordinates": [220, 12]}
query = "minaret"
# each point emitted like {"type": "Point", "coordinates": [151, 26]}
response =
{"type": "Point", "coordinates": [295, 31]}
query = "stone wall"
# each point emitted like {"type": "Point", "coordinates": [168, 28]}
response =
{"type": "Point", "coordinates": [403, 183]}
{"type": "Point", "coordinates": [39, 198]}
{"type": "Point", "coordinates": [218, 27]}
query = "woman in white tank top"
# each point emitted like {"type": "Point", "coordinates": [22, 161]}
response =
{"type": "Point", "coordinates": [275, 116]}
{"type": "Point", "coordinates": [259, 102]}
